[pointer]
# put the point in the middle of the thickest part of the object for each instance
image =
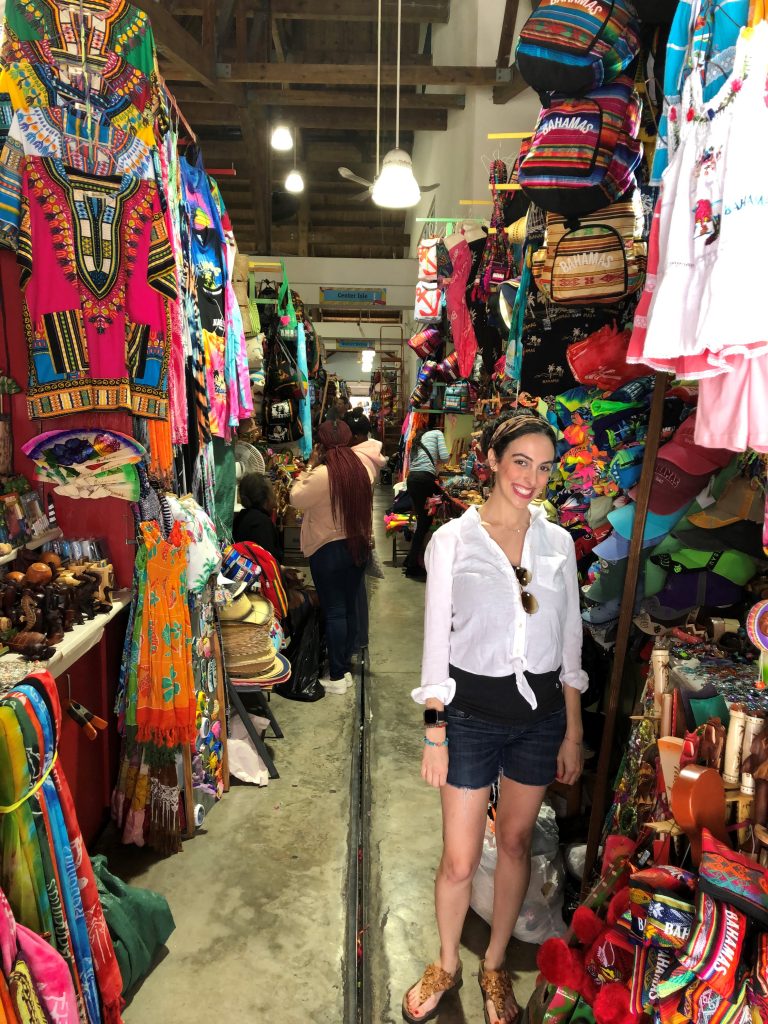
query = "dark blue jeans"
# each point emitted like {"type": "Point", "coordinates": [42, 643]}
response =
{"type": "Point", "coordinates": [337, 581]}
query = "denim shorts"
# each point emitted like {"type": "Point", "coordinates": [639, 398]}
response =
{"type": "Point", "coordinates": [479, 750]}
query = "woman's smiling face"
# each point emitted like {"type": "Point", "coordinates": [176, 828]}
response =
{"type": "Point", "coordinates": [524, 468]}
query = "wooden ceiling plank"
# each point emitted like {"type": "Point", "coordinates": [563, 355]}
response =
{"type": "Point", "coordinates": [224, 17]}
{"type": "Point", "coordinates": [414, 11]}
{"type": "Point", "coordinates": [257, 153]}
{"type": "Point", "coordinates": [358, 74]}
{"type": "Point", "coordinates": [339, 98]}
{"type": "Point", "coordinates": [241, 30]}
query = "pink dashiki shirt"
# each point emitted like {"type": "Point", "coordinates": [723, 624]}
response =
{"type": "Point", "coordinates": [98, 273]}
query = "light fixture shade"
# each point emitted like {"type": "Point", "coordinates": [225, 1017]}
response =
{"type": "Point", "coordinates": [282, 138]}
{"type": "Point", "coordinates": [294, 182]}
{"type": "Point", "coordinates": [396, 187]}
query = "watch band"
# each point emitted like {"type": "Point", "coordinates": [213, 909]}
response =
{"type": "Point", "coordinates": [433, 717]}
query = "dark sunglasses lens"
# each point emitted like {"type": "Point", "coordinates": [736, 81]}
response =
{"type": "Point", "coordinates": [524, 576]}
{"type": "Point", "coordinates": [530, 604]}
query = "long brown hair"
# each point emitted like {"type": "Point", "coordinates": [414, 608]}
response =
{"type": "Point", "coordinates": [350, 487]}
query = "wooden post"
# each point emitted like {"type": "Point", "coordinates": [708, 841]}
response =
{"type": "Point", "coordinates": [221, 697]}
{"type": "Point", "coordinates": [600, 797]}
{"type": "Point", "coordinates": [189, 796]}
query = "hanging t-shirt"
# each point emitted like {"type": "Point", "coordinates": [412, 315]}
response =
{"type": "Point", "coordinates": [103, 87]}
{"type": "Point", "coordinates": [97, 272]}
{"type": "Point", "coordinates": [105, 25]}
{"type": "Point", "coordinates": [62, 133]}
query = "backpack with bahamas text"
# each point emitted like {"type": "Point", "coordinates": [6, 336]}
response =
{"type": "Point", "coordinates": [584, 151]}
{"type": "Point", "coordinates": [573, 46]}
{"type": "Point", "coordinates": [595, 259]}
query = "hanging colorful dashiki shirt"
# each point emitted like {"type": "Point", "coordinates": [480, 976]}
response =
{"type": "Point", "coordinates": [207, 257]}
{"type": "Point", "coordinates": [62, 133]}
{"type": "Point", "coordinates": [105, 25]}
{"type": "Point", "coordinates": [105, 88]}
{"type": "Point", "coordinates": [97, 332]}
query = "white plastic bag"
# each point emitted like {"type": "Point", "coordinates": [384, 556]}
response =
{"type": "Point", "coordinates": [244, 762]}
{"type": "Point", "coordinates": [541, 916]}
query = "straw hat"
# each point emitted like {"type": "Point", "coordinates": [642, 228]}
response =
{"type": "Point", "coordinates": [246, 630]}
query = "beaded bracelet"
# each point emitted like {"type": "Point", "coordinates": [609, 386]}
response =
{"type": "Point", "coordinates": [429, 743]}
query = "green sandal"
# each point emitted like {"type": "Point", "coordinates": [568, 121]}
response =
{"type": "Point", "coordinates": [496, 986]}
{"type": "Point", "coordinates": [433, 980]}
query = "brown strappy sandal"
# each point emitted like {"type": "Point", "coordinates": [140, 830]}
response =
{"type": "Point", "coordinates": [433, 980]}
{"type": "Point", "coordinates": [496, 986]}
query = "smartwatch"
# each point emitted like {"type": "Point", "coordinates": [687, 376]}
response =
{"type": "Point", "coordinates": [434, 717]}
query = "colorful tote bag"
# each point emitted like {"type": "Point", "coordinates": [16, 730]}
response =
{"type": "Point", "coordinates": [584, 151]}
{"type": "Point", "coordinates": [572, 46]}
{"type": "Point", "coordinates": [429, 299]}
{"type": "Point", "coordinates": [596, 259]}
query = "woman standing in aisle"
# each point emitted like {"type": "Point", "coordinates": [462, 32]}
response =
{"type": "Point", "coordinates": [254, 521]}
{"type": "Point", "coordinates": [335, 493]}
{"type": "Point", "coordinates": [428, 453]}
{"type": "Point", "coordinates": [502, 681]}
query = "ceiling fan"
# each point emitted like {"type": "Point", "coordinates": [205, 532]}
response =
{"type": "Point", "coordinates": [395, 186]}
{"type": "Point", "coordinates": [395, 154]}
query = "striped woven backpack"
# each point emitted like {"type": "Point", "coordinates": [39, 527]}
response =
{"type": "Point", "coordinates": [573, 46]}
{"type": "Point", "coordinates": [595, 259]}
{"type": "Point", "coordinates": [584, 152]}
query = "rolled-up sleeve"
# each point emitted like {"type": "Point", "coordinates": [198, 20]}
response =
{"type": "Point", "coordinates": [571, 673]}
{"type": "Point", "coordinates": [438, 614]}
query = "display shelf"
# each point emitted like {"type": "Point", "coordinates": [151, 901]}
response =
{"type": "Point", "coordinates": [31, 545]}
{"type": "Point", "coordinates": [71, 648]}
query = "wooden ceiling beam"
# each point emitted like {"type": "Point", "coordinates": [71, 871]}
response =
{"type": "Point", "coordinates": [185, 51]}
{"type": "Point", "coordinates": [414, 11]}
{"type": "Point", "coordinates": [205, 113]}
{"type": "Point", "coordinates": [374, 218]}
{"type": "Point", "coordinates": [359, 74]}
{"type": "Point", "coordinates": [339, 98]}
{"type": "Point", "coordinates": [506, 91]}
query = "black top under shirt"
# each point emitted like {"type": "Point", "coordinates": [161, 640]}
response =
{"type": "Point", "coordinates": [251, 524]}
{"type": "Point", "coordinates": [498, 700]}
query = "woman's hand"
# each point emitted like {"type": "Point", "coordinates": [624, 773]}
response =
{"type": "Point", "coordinates": [434, 760]}
{"type": "Point", "coordinates": [570, 761]}
{"type": "Point", "coordinates": [314, 458]}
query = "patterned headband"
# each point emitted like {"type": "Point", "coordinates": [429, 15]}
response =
{"type": "Point", "coordinates": [512, 424]}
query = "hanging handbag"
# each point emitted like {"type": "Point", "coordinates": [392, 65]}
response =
{"type": "Point", "coordinates": [497, 260]}
{"type": "Point", "coordinates": [598, 258]}
{"type": "Point", "coordinates": [282, 422]}
{"type": "Point", "coordinates": [457, 397]}
{"type": "Point", "coordinates": [426, 343]}
{"type": "Point", "coordinates": [429, 297]}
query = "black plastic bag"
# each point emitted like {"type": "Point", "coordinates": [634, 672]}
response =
{"type": "Point", "coordinates": [304, 654]}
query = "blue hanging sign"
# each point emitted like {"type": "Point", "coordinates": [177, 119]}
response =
{"type": "Point", "coordinates": [353, 296]}
{"type": "Point", "coordinates": [358, 344]}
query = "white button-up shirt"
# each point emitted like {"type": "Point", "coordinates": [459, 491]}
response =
{"type": "Point", "coordinates": [474, 616]}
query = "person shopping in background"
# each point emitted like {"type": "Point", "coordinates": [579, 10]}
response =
{"type": "Point", "coordinates": [335, 494]}
{"type": "Point", "coordinates": [428, 453]}
{"type": "Point", "coordinates": [254, 521]}
{"type": "Point", "coordinates": [360, 426]}
{"type": "Point", "coordinates": [501, 679]}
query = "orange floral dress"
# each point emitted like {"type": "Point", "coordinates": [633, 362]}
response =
{"type": "Point", "coordinates": [165, 706]}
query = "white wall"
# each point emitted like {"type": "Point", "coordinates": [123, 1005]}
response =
{"type": "Point", "coordinates": [458, 158]}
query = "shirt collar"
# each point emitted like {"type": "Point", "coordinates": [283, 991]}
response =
{"type": "Point", "coordinates": [538, 512]}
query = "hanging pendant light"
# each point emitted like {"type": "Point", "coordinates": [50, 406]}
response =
{"type": "Point", "coordinates": [395, 187]}
{"type": "Point", "coordinates": [294, 182]}
{"type": "Point", "coordinates": [282, 138]}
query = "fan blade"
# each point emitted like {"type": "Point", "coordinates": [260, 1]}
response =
{"type": "Point", "coordinates": [429, 188]}
{"type": "Point", "coordinates": [362, 196]}
{"type": "Point", "coordinates": [351, 176]}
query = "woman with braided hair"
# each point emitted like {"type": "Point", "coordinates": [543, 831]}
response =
{"type": "Point", "coordinates": [501, 679]}
{"type": "Point", "coordinates": [335, 493]}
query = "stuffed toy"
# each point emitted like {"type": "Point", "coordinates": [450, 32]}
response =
{"type": "Point", "coordinates": [601, 971]}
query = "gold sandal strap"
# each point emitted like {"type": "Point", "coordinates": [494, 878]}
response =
{"type": "Point", "coordinates": [497, 986]}
{"type": "Point", "coordinates": [435, 979]}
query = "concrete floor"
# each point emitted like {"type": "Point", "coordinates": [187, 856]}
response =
{"type": "Point", "coordinates": [260, 895]}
